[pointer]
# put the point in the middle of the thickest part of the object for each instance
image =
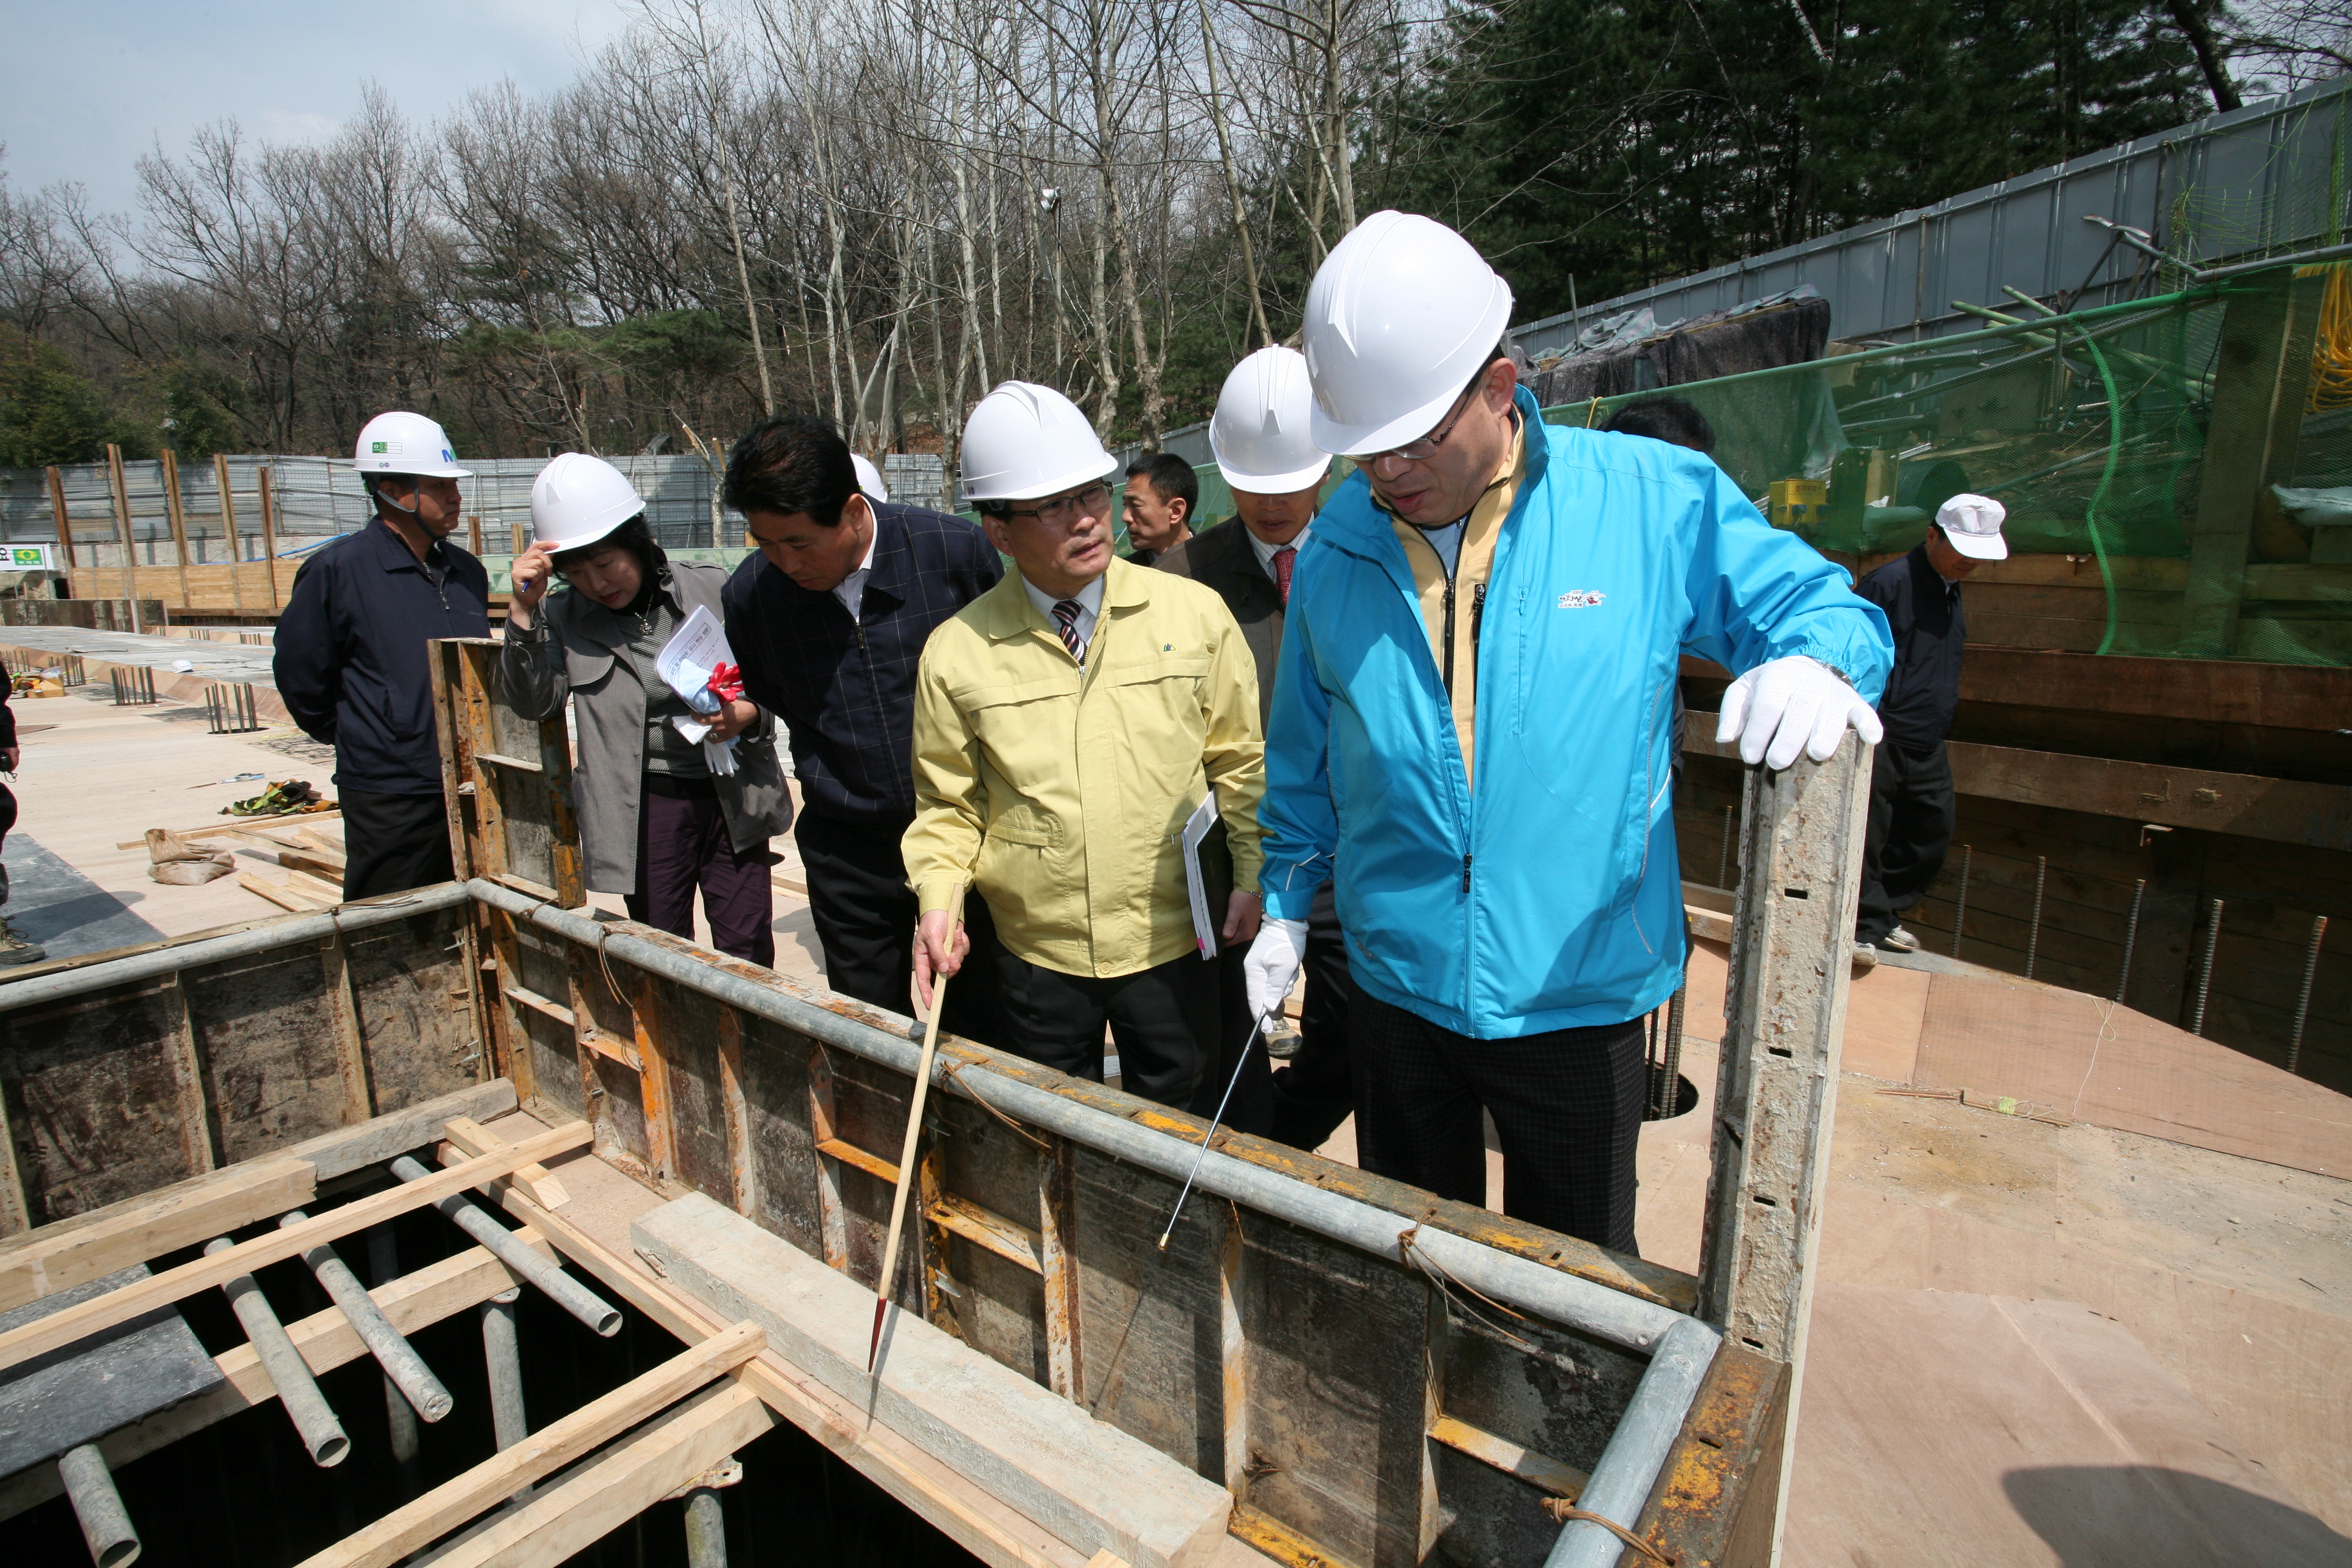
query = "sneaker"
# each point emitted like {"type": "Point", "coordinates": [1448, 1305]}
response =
{"type": "Point", "coordinates": [1900, 941]}
{"type": "Point", "coordinates": [14, 950]}
{"type": "Point", "coordinates": [1866, 955]}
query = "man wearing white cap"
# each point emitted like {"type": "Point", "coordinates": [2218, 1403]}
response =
{"type": "Point", "coordinates": [1471, 725]}
{"type": "Point", "coordinates": [1912, 812]}
{"type": "Point", "coordinates": [351, 660]}
{"type": "Point", "coordinates": [1260, 441]}
{"type": "Point", "coordinates": [1067, 722]}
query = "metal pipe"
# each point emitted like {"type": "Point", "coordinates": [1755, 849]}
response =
{"type": "Point", "coordinates": [105, 1522]}
{"type": "Point", "coordinates": [2205, 969]}
{"type": "Point", "coordinates": [322, 1435]}
{"type": "Point", "coordinates": [1637, 1450]}
{"type": "Point", "coordinates": [2033, 932]}
{"type": "Point", "coordinates": [2303, 1003]}
{"type": "Point", "coordinates": [384, 1262]}
{"type": "Point", "coordinates": [558, 1287]}
{"type": "Point", "coordinates": [278, 934]}
{"type": "Point", "coordinates": [1960, 913]}
{"type": "Point", "coordinates": [503, 1355]}
{"type": "Point", "coordinates": [1566, 1298]}
{"type": "Point", "coordinates": [2131, 937]}
{"type": "Point", "coordinates": [706, 1530]}
{"type": "Point", "coordinates": [2300, 258]}
{"type": "Point", "coordinates": [390, 1347]}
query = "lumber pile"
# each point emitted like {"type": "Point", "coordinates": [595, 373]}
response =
{"type": "Point", "coordinates": [313, 863]}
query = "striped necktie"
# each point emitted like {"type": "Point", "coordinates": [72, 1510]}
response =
{"type": "Point", "coordinates": [1065, 620]}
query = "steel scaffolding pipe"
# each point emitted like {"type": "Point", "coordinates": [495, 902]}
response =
{"type": "Point", "coordinates": [314, 1419]}
{"type": "Point", "coordinates": [390, 1347]}
{"type": "Point", "coordinates": [553, 1282]}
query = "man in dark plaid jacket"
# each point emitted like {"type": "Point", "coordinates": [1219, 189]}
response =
{"type": "Point", "coordinates": [828, 621]}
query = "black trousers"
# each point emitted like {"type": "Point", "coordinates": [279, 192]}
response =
{"type": "Point", "coordinates": [1912, 815]}
{"type": "Point", "coordinates": [1567, 1105]}
{"type": "Point", "coordinates": [1164, 1019]}
{"type": "Point", "coordinates": [865, 918]}
{"type": "Point", "coordinates": [1303, 1102]}
{"type": "Point", "coordinates": [393, 842]}
{"type": "Point", "coordinates": [683, 846]}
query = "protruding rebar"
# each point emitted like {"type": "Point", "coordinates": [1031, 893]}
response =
{"type": "Point", "coordinates": [105, 1522]}
{"type": "Point", "coordinates": [2033, 932]}
{"type": "Point", "coordinates": [1960, 912]}
{"type": "Point", "coordinates": [2205, 969]}
{"type": "Point", "coordinates": [2131, 936]}
{"type": "Point", "coordinates": [384, 1262]}
{"type": "Point", "coordinates": [1670, 1092]}
{"type": "Point", "coordinates": [2303, 1003]}
{"type": "Point", "coordinates": [390, 1347]}
{"type": "Point", "coordinates": [503, 1355]}
{"type": "Point", "coordinates": [560, 1288]}
{"type": "Point", "coordinates": [298, 1391]}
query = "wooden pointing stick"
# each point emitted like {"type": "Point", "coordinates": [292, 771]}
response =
{"type": "Point", "coordinates": [914, 1132]}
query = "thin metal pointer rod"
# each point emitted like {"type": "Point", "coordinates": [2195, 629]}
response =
{"type": "Point", "coordinates": [1230, 1084]}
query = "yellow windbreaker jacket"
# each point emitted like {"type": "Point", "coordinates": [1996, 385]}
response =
{"type": "Point", "coordinates": [1059, 792]}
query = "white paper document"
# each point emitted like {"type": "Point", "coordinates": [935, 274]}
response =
{"type": "Point", "coordinates": [687, 662]}
{"type": "Point", "coordinates": [1196, 828]}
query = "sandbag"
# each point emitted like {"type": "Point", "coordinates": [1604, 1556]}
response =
{"type": "Point", "coordinates": [175, 861]}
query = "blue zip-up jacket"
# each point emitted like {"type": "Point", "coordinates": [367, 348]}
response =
{"type": "Point", "coordinates": [351, 661]}
{"type": "Point", "coordinates": [1549, 896]}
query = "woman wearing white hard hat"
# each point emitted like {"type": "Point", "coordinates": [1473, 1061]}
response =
{"type": "Point", "coordinates": [1471, 724]}
{"type": "Point", "coordinates": [1260, 441]}
{"type": "Point", "coordinates": [351, 660]}
{"type": "Point", "coordinates": [657, 823]}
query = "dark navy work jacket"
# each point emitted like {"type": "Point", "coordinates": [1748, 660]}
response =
{"type": "Point", "coordinates": [351, 660]}
{"type": "Point", "coordinates": [1923, 611]}
{"type": "Point", "coordinates": [846, 688]}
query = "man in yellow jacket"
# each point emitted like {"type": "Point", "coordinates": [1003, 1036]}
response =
{"type": "Point", "coordinates": [1067, 723]}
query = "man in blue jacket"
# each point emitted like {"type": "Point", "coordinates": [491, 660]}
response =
{"type": "Point", "coordinates": [1471, 728]}
{"type": "Point", "coordinates": [351, 661]}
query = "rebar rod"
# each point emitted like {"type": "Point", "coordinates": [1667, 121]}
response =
{"type": "Point", "coordinates": [2131, 936]}
{"type": "Point", "coordinates": [2033, 932]}
{"type": "Point", "coordinates": [558, 1287]}
{"type": "Point", "coordinates": [384, 1262]}
{"type": "Point", "coordinates": [1960, 912]}
{"type": "Point", "coordinates": [105, 1523]}
{"type": "Point", "coordinates": [390, 1347]}
{"type": "Point", "coordinates": [503, 1355]}
{"type": "Point", "coordinates": [1672, 1092]}
{"type": "Point", "coordinates": [2205, 969]}
{"type": "Point", "coordinates": [322, 1435]}
{"type": "Point", "coordinates": [2303, 1003]}
{"type": "Point", "coordinates": [1723, 861]}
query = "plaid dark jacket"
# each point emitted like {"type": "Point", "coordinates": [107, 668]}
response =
{"type": "Point", "coordinates": [845, 690]}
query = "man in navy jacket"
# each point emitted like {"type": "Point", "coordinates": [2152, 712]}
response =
{"type": "Point", "coordinates": [351, 660]}
{"type": "Point", "coordinates": [828, 622]}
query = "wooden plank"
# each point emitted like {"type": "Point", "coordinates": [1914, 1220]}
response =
{"type": "Point", "coordinates": [1057, 1216]}
{"type": "Point", "coordinates": [873, 1166]}
{"type": "Point", "coordinates": [60, 1328]}
{"type": "Point", "coordinates": [833, 1223]}
{"type": "Point", "coordinates": [228, 528]}
{"type": "Point", "coordinates": [980, 1524]}
{"type": "Point", "coordinates": [1560, 1481]}
{"type": "Point", "coordinates": [574, 1513]}
{"type": "Point", "coordinates": [262, 480]}
{"type": "Point", "coordinates": [285, 895]}
{"type": "Point", "coordinates": [742, 1164]}
{"type": "Point", "coordinates": [243, 826]}
{"type": "Point", "coordinates": [1233, 1348]}
{"type": "Point", "coordinates": [175, 509]}
{"type": "Point", "coordinates": [653, 1078]}
{"type": "Point", "coordinates": [609, 1046]}
{"type": "Point", "coordinates": [58, 514]}
{"type": "Point", "coordinates": [179, 1050]}
{"type": "Point", "coordinates": [534, 1179]}
{"type": "Point", "coordinates": [326, 1339]}
{"type": "Point", "coordinates": [459, 1500]}
{"type": "Point", "coordinates": [1004, 1238]}
{"type": "Point", "coordinates": [351, 1041]}
{"type": "Point", "coordinates": [53, 1257]}
{"type": "Point", "coordinates": [542, 1004]}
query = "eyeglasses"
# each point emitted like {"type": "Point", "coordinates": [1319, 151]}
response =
{"type": "Point", "coordinates": [1421, 451]}
{"type": "Point", "coordinates": [1061, 511]}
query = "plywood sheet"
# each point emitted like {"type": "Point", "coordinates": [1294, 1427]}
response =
{"type": "Point", "coordinates": [2104, 1064]}
{"type": "Point", "coordinates": [1964, 1429]}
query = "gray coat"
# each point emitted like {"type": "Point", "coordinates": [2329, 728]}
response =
{"type": "Point", "coordinates": [575, 649]}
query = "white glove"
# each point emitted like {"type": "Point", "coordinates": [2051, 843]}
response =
{"type": "Point", "coordinates": [1791, 705]}
{"type": "Point", "coordinates": [1271, 966]}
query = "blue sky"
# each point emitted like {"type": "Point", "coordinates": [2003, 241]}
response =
{"type": "Point", "coordinates": [93, 83]}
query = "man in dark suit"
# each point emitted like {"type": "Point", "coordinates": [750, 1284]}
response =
{"type": "Point", "coordinates": [1260, 441]}
{"type": "Point", "coordinates": [828, 622]}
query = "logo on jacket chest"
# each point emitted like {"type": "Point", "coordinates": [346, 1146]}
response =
{"type": "Point", "coordinates": [1581, 599]}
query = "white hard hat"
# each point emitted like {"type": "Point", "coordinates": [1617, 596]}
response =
{"type": "Point", "coordinates": [1259, 433]}
{"type": "Point", "coordinates": [578, 500]}
{"type": "Point", "coordinates": [1401, 315]}
{"type": "Point", "coordinates": [869, 478]}
{"type": "Point", "coordinates": [1025, 441]}
{"type": "Point", "coordinates": [1972, 526]}
{"type": "Point", "coordinates": [400, 443]}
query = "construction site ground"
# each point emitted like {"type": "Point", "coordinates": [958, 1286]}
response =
{"type": "Point", "coordinates": [2084, 1284]}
